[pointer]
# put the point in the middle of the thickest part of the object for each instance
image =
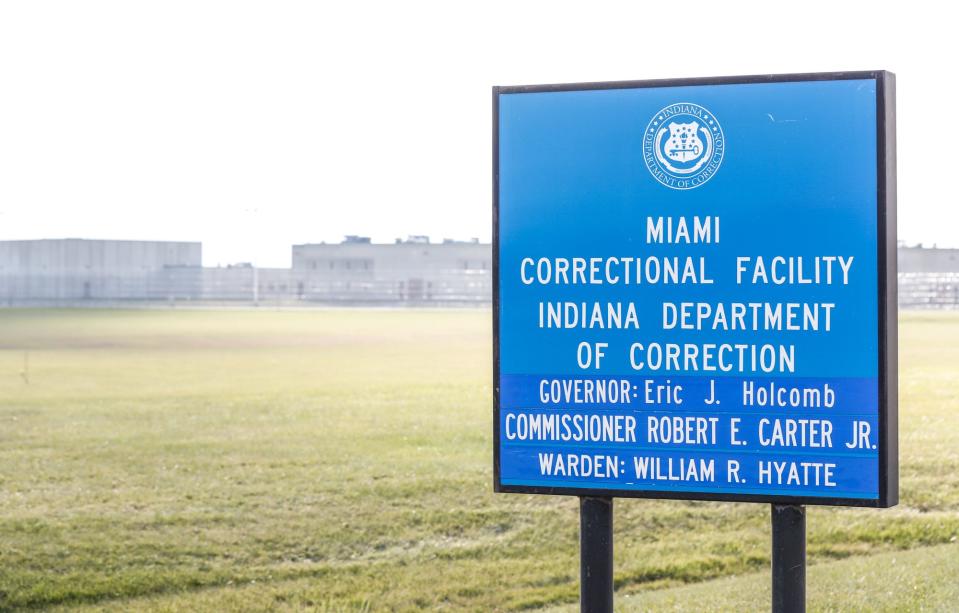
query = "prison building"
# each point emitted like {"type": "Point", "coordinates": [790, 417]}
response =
{"type": "Point", "coordinates": [928, 278]}
{"type": "Point", "coordinates": [74, 270]}
{"type": "Point", "coordinates": [411, 271]}
{"type": "Point", "coordinates": [77, 272]}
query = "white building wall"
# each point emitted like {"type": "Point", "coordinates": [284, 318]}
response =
{"type": "Point", "coordinates": [75, 269]}
{"type": "Point", "coordinates": [918, 259]}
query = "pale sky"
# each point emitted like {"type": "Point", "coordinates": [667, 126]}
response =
{"type": "Point", "coordinates": [251, 126]}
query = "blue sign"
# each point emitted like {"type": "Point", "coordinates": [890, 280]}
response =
{"type": "Point", "coordinates": [695, 289]}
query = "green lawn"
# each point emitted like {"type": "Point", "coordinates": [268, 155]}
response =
{"type": "Point", "coordinates": [340, 460]}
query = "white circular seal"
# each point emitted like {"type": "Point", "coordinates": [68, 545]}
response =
{"type": "Point", "coordinates": [683, 145]}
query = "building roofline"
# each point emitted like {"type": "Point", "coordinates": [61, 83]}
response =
{"type": "Point", "coordinates": [399, 244]}
{"type": "Point", "coordinates": [96, 240]}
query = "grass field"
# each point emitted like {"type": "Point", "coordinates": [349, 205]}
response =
{"type": "Point", "coordinates": [340, 461]}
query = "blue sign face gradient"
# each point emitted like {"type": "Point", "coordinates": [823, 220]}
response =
{"type": "Point", "coordinates": [688, 296]}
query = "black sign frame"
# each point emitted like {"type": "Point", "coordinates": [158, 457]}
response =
{"type": "Point", "coordinates": [888, 435]}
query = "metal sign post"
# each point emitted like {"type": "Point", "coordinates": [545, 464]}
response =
{"type": "Point", "coordinates": [596, 554]}
{"type": "Point", "coordinates": [789, 558]}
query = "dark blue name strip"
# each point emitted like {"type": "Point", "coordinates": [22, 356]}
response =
{"type": "Point", "coordinates": [589, 467]}
{"type": "Point", "coordinates": [836, 395]}
{"type": "Point", "coordinates": [788, 436]}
